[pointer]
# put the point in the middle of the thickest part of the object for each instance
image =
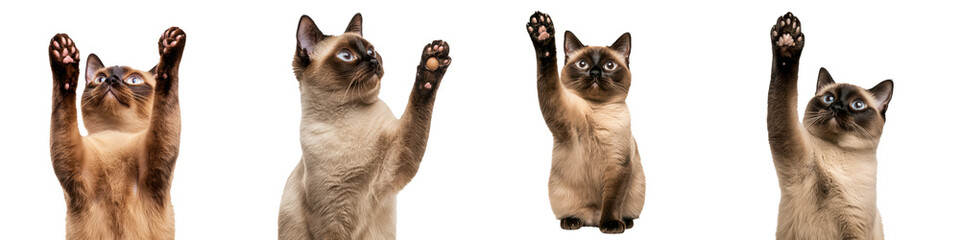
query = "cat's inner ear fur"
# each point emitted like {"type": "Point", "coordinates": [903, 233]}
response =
{"type": "Point", "coordinates": [570, 45]}
{"type": "Point", "coordinates": [93, 65]}
{"type": "Point", "coordinates": [356, 25]}
{"type": "Point", "coordinates": [308, 35]}
{"type": "Point", "coordinates": [622, 46]}
{"type": "Point", "coordinates": [882, 93]}
{"type": "Point", "coordinates": [824, 79]}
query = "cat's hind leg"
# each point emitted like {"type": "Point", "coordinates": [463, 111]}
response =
{"type": "Point", "coordinates": [572, 203]}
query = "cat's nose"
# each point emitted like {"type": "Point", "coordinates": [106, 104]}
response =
{"type": "Point", "coordinates": [374, 62]}
{"type": "Point", "coordinates": [837, 107]}
{"type": "Point", "coordinates": [595, 73]}
{"type": "Point", "coordinates": [113, 80]}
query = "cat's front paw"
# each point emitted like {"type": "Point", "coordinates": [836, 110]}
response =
{"type": "Point", "coordinates": [612, 226]}
{"type": "Point", "coordinates": [433, 64]}
{"type": "Point", "coordinates": [628, 222]}
{"type": "Point", "coordinates": [541, 31]}
{"type": "Point", "coordinates": [64, 61]}
{"type": "Point", "coordinates": [170, 45]}
{"type": "Point", "coordinates": [786, 37]}
{"type": "Point", "coordinates": [570, 223]}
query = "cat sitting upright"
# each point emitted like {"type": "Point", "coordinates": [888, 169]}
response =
{"type": "Point", "coordinates": [596, 178]}
{"type": "Point", "coordinates": [827, 166]}
{"type": "Point", "coordinates": [116, 180]}
{"type": "Point", "coordinates": [356, 154]}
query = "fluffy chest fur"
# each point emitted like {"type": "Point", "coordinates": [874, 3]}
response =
{"type": "Point", "coordinates": [343, 175]}
{"type": "Point", "coordinates": [112, 205]}
{"type": "Point", "coordinates": [831, 195]}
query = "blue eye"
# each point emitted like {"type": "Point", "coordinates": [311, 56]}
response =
{"type": "Point", "coordinates": [99, 80]}
{"type": "Point", "coordinates": [828, 99]}
{"type": "Point", "coordinates": [858, 105]}
{"type": "Point", "coordinates": [134, 80]}
{"type": "Point", "coordinates": [345, 55]}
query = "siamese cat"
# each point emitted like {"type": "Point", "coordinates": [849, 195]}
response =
{"type": "Point", "coordinates": [827, 165]}
{"type": "Point", "coordinates": [596, 178]}
{"type": "Point", "coordinates": [356, 154]}
{"type": "Point", "coordinates": [116, 180]}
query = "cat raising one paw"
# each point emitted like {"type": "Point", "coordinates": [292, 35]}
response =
{"type": "Point", "coordinates": [541, 31]}
{"type": "Point", "coordinates": [433, 64]}
{"type": "Point", "coordinates": [170, 45]}
{"type": "Point", "coordinates": [786, 37]}
{"type": "Point", "coordinates": [65, 61]}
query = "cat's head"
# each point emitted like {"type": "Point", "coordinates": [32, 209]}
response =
{"type": "Point", "coordinates": [597, 73]}
{"type": "Point", "coordinates": [345, 67]}
{"type": "Point", "coordinates": [116, 98]}
{"type": "Point", "coordinates": [846, 114]}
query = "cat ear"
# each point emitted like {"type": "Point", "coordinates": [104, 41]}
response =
{"type": "Point", "coordinates": [824, 79]}
{"type": "Point", "coordinates": [570, 44]}
{"type": "Point", "coordinates": [883, 92]}
{"type": "Point", "coordinates": [356, 25]}
{"type": "Point", "coordinates": [93, 65]}
{"type": "Point", "coordinates": [622, 45]}
{"type": "Point", "coordinates": [308, 35]}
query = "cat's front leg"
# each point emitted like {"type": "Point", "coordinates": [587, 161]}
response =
{"type": "Point", "coordinates": [66, 148]}
{"type": "Point", "coordinates": [414, 129]}
{"type": "Point", "coordinates": [786, 136]}
{"type": "Point", "coordinates": [163, 136]}
{"type": "Point", "coordinates": [550, 91]}
{"type": "Point", "coordinates": [616, 180]}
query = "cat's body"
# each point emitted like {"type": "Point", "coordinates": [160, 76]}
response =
{"type": "Point", "coordinates": [827, 165]}
{"type": "Point", "coordinates": [116, 180]}
{"type": "Point", "coordinates": [596, 178]}
{"type": "Point", "coordinates": [356, 154]}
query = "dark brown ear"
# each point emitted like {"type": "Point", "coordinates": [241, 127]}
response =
{"type": "Point", "coordinates": [308, 35]}
{"type": "Point", "coordinates": [824, 79]}
{"type": "Point", "coordinates": [883, 92]}
{"type": "Point", "coordinates": [570, 45]}
{"type": "Point", "coordinates": [93, 65]}
{"type": "Point", "coordinates": [622, 45]}
{"type": "Point", "coordinates": [356, 25]}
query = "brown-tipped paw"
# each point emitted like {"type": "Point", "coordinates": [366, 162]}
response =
{"type": "Point", "coordinates": [172, 41]}
{"type": "Point", "coordinates": [170, 45]}
{"type": "Point", "coordinates": [64, 60]}
{"type": "Point", "coordinates": [570, 223]}
{"type": "Point", "coordinates": [541, 31]}
{"type": "Point", "coordinates": [612, 226]}
{"type": "Point", "coordinates": [786, 37]}
{"type": "Point", "coordinates": [433, 64]}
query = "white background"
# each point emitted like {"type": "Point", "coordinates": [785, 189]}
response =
{"type": "Point", "coordinates": [698, 101]}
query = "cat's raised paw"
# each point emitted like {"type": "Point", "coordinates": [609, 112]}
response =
{"type": "Point", "coordinates": [62, 49]}
{"type": "Point", "coordinates": [541, 31]}
{"type": "Point", "coordinates": [612, 226]}
{"type": "Point", "coordinates": [433, 63]}
{"type": "Point", "coordinates": [786, 36]}
{"type": "Point", "coordinates": [64, 61]}
{"type": "Point", "coordinates": [570, 223]}
{"type": "Point", "coordinates": [172, 40]}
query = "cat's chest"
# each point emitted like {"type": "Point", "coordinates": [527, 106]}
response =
{"type": "Point", "coordinates": [111, 167]}
{"type": "Point", "coordinates": [353, 143]}
{"type": "Point", "coordinates": [605, 123]}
